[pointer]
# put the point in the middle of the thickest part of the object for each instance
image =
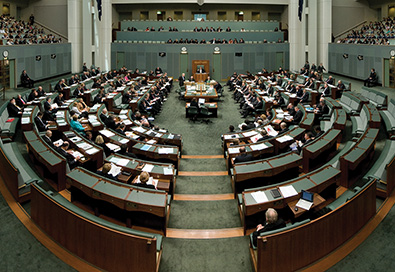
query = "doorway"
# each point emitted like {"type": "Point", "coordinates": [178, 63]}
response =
{"type": "Point", "coordinates": [5, 74]}
{"type": "Point", "coordinates": [120, 60]}
{"type": "Point", "coordinates": [217, 71]}
{"type": "Point", "coordinates": [184, 64]}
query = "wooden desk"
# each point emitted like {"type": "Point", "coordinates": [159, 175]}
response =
{"type": "Point", "coordinates": [317, 201]}
{"type": "Point", "coordinates": [200, 77]}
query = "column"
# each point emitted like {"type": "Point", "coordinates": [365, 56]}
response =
{"type": "Point", "coordinates": [296, 44]}
{"type": "Point", "coordinates": [324, 30]}
{"type": "Point", "coordinates": [74, 11]}
{"type": "Point", "coordinates": [102, 42]}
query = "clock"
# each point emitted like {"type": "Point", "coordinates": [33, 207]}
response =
{"type": "Point", "coordinates": [392, 53]}
{"type": "Point", "coordinates": [5, 53]}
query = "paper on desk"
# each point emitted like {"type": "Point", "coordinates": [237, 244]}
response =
{"type": "Point", "coordinates": [165, 150]}
{"type": "Point", "coordinates": [127, 122]}
{"type": "Point", "coordinates": [148, 168]}
{"type": "Point", "coordinates": [84, 145]}
{"type": "Point", "coordinates": [138, 129]}
{"type": "Point", "coordinates": [304, 204]}
{"type": "Point", "coordinates": [152, 141]}
{"type": "Point", "coordinates": [259, 197]}
{"type": "Point", "coordinates": [167, 171]}
{"type": "Point", "coordinates": [171, 136]}
{"type": "Point", "coordinates": [113, 147]}
{"type": "Point", "coordinates": [124, 141]}
{"type": "Point", "coordinates": [284, 138]}
{"type": "Point", "coordinates": [77, 154]}
{"type": "Point", "coordinates": [255, 138]}
{"type": "Point", "coordinates": [233, 150]}
{"type": "Point", "coordinates": [123, 112]}
{"type": "Point", "coordinates": [122, 162]}
{"type": "Point", "coordinates": [107, 133]}
{"type": "Point", "coordinates": [58, 142]}
{"type": "Point", "coordinates": [25, 120]}
{"type": "Point", "coordinates": [131, 135]}
{"type": "Point", "coordinates": [122, 117]}
{"type": "Point", "coordinates": [288, 191]}
{"type": "Point", "coordinates": [258, 146]}
{"type": "Point", "coordinates": [250, 133]}
{"type": "Point", "coordinates": [115, 170]}
{"type": "Point", "coordinates": [270, 130]}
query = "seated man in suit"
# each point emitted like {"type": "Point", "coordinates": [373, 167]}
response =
{"type": "Point", "coordinates": [305, 97]}
{"type": "Point", "coordinates": [13, 109]}
{"type": "Point", "coordinates": [40, 91]}
{"type": "Point", "coordinates": [26, 81]}
{"type": "Point", "coordinates": [33, 95]}
{"type": "Point", "coordinates": [121, 129]}
{"type": "Point", "coordinates": [142, 181]}
{"type": "Point", "coordinates": [59, 100]}
{"type": "Point", "coordinates": [40, 123]}
{"type": "Point", "coordinates": [105, 171]}
{"type": "Point", "coordinates": [191, 79]}
{"type": "Point", "coordinates": [158, 71]}
{"type": "Point", "coordinates": [308, 138]}
{"type": "Point", "coordinates": [297, 117]}
{"type": "Point", "coordinates": [372, 79]}
{"type": "Point", "coordinates": [330, 80]}
{"type": "Point", "coordinates": [325, 91]}
{"type": "Point", "coordinates": [20, 102]}
{"type": "Point", "coordinates": [272, 222]}
{"type": "Point", "coordinates": [278, 100]}
{"type": "Point", "coordinates": [47, 138]}
{"type": "Point", "coordinates": [283, 128]}
{"type": "Point", "coordinates": [264, 136]}
{"type": "Point", "coordinates": [340, 86]}
{"type": "Point", "coordinates": [67, 154]}
{"type": "Point", "coordinates": [243, 157]}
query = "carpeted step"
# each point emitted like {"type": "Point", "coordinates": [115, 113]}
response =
{"type": "Point", "coordinates": [206, 255]}
{"type": "Point", "coordinates": [203, 185]}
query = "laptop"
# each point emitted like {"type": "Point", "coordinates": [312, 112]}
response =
{"type": "Point", "coordinates": [306, 201]}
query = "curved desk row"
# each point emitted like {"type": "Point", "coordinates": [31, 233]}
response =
{"type": "Point", "coordinates": [350, 161]}
{"type": "Point", "coordinates": [264, 171]}
{"type": "Point", "coordinates": [119, 248]}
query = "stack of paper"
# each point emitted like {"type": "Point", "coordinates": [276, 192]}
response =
{"type": "Point", "coordinates": [288, 191]}
{"type": "Point", "coordinates": [148, 168]}
{"type": "Point", "coordinates": [259, 197]}
{"type": "Point", "coordinates": [115, 170]}
{"type": "Point", "coordinates": [113, 147]}
{"type": "Point", "coordinates": [167, 171]}
{"type": "Point", "coordinates": [107, 133]}
{"type": "Point", "coordinates": [258, 146]}
{"type": "Point", "coordinates": [284, 138]}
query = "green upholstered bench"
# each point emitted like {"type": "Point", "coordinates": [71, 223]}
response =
{"type": "Point", "coordinates": [377, 98]}
{"type": "Point", "coordinates": [8, 125]}
{"type": "Point", "coordinates": [379, 168]}
{"type": "Point", "coordinates": [389, 117]}
{"type": "Point", "coordinates": [350, 103]}
{"type": "Point", "coordinates": [26, 174]}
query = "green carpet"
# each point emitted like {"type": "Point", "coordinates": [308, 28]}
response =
{"type": "Point", "coordinates": [213, 255]}
{"type": "Point", "coordinates": [20, 251]}
{"type": "Point", "coordinates": [203, 165]}
{"type": "Point", "coordinates": [204, 215]}
{"type": "Point", "coordinates": [203, 185]}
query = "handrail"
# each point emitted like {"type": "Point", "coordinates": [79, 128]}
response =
{"type": "Point", "coordinates": [51, 30]}
{"type": "Point", "coordinates": [347, 30]}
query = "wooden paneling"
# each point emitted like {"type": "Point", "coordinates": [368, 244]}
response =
{"type": "Point", "coordinates": [299, 247]}
{"type": "Point", "coordinates": [103, 247]}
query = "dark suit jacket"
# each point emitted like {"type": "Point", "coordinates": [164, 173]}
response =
{"type": "Point", "coordinates": [19, 102]}
{"type": "Point", "coordinates": [41, 124]}
{"type": "Point", "coordinates": [244, 157]}
{"type": "Point", "coordinates": [277, 225]}
{"type": "Point", "coordinates": [109, 176]}
{"type": "Point", "coordinates": [48, 141]}
{"type": "Point", "coordinates": [13, 110]}
{"type": "Point", "coordinates": [305, 97]}
{"type": "Point", "coordinates": [298, 117]}
{"type": "Point", "coordinates": [181, 81]}
{"type": "Point", "coordinates": [150, 186]}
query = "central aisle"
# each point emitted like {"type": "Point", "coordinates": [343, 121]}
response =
{"type": "Point", "coordinates": [204, 207]}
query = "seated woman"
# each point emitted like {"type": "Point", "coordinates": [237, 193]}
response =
{"type": "Point", "coordinates": [100, 142]}
{"type": "Point", "coordinates": [143, 180]}
{"type": "Point", "coordinates": [105, 172]}
{"type": "Point", "coordinates": [76, 125]}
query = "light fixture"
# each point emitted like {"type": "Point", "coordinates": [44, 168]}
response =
{"type": "Point", "coordinates": [53, 56]}
{"type": "Point", "coordinates": [217, 50]}
{"type": "Point", "coordinates": [345, 56]}
{"type": "Point", "coordinates": [360, 57]}
{"type": "Point", "coordinates": [184, 50]}
{"type": "Point", "coordinates": [159, 12]}
{"type": "Point", "coordinates": [38, 58]}
{"type": "Point", "coordinates": [241, 12]}
{"type": "Point", "coordinates": [162, 54]}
